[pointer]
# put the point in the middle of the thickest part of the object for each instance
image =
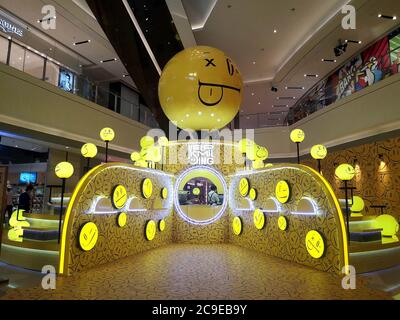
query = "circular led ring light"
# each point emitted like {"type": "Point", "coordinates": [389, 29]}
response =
{"type": "Point", "coordinates": [176, 198]}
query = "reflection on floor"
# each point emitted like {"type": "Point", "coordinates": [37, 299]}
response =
{"type": "Point", "coordinates": [387, 280]}
{"type": "Point", "coordinates": [200, 272]}
{"type": "Point", "coordinates": [18, 278]}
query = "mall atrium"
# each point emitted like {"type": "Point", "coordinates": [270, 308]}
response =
{"type": "Point", "coordinates": [199, 150]}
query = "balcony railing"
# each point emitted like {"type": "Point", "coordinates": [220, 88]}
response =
{"type": "Point", "coordinates": [47, 69]}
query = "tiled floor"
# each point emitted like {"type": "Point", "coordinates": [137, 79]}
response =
{"type": "Point", "coordinates": [199, 272]}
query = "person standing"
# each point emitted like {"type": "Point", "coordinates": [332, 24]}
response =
{"type": "Point", "coordinates": [25, 199]}
{"type": "Point", "coordinates": [9, 204]}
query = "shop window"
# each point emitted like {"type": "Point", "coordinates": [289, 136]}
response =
{"type": "Point", "coordinates": [34, 64]}
{"type": "Point", "coordinates": [52, 73]}
{"type": "Point", "coordinates": [17, 56]}
{"type": "Point", "coordinates": [3, 50]}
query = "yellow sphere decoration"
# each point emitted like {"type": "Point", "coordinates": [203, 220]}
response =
{"type": "Point", "coordinates": [107, 134]}
{"type": "Point", "coordinates": [89, 150]}
{"type": "Point", "coordinates": [163, 141]}
{"type": "Point", "coordinates": [237, 226]}
{"type": "Point", "coordinates": [318, 152]}
{"type": "Point", "coordinates": [196, 191]}
{"type": "Point", "coordinates": [200, 88]}
{"type": "Point", "coordinates": [64, 170]}
{"type": "Point", "coordinates": [261, 153]}
{"type": "Point", "coordinates": [297, 135]}
{"type": "Point", "coordinates": [388, 223]}
{"type": "Point", "coordinates": [357, 204]}
{"type": "Point", "coordinates": [135, 156]}
{"type": "Point", "coordinates": [315, 244]}
{"type": "Point", "coordinates": [259, 219]}
{"type": "Point", "coordinates": [146, 142]}
{"type": "Point", "coordinates": [258, 164]}
{"type": "Point", "coordinates": [245, 144]}
{"type": "Point", "coordinates": [345, 172]}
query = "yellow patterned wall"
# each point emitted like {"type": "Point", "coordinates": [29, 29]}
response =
{"type": "Point", "coordinates": [376, 182]}
{"type": "Point", "coordinates": [114, 242]}
{"type": "Point", "coordinates": [290, 244]}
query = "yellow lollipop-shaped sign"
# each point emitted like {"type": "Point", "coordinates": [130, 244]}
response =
{"type": "Point", "coordinates": [345, 172]}
{"type": "Point", "coordinates": [107, 134]}
{"type": "Point", "coordinates": [135, 156]}
{"type": "Point", "coordinates": [315, 244]}
{"type": "Point", "coordinates": [64, 170]}
{"type": "Point", "coordinates": [319, 152]}
{"type": "Point", "coordinates": [88, 236]}
{"type": "Point", "coordinates": [146, 142]}
{"type": "Point", "coordinates": [89, 150]}
{"type": "Point", "coordinates": [259, 219]}
{"type": "Point", "coordinates": [297, 135]}
{"type": "Point", "coordinates": [237, 226]}
{"type": "Point", "coordinates": [150, 230]}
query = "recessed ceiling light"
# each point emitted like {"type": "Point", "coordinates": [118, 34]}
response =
{"type": "Point", "coordinates": [275, 31]}
{"type": "Point", "coordinates": [125, 75]}
{"type": "Point", "coordinates": [252, 93]}
{"type": "Point", "coordinates": [212, 114]}
{"type": "Point", "coordinates": [108, 60]}
{"type": "Point", "coordinates": [254, 62]}
{"type": "Point", "coordinates": [219, 120]}
{"type": "Point", "coordinates": [387, 17]}
{"type": "Point", "coordinates": [259, 102]}
{"type": "Point", "coordinates": [200, 113]}
{"type": "Point", "coordinates": [81, 42]}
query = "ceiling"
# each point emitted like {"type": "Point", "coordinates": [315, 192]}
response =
{"type": "Point", "coordinates": [74, 23]}
{"type": "Point", "coordinates": [306, 32]}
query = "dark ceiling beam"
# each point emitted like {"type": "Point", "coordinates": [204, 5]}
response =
{"type": "Point", "coordinates": [121, 32]}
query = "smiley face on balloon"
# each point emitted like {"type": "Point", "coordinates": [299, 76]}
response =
{"type": "Point", "coordinates": [200, 88]}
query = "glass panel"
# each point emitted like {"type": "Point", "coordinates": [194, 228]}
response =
{"type": "Point", "coordinates": [17, 57]}
{"type": "Point", "coordinates": [3, 49]}
{"type": "Point", "coordinates": [52, 73]}
{"type": "Point", "coordinates": [34, 64]}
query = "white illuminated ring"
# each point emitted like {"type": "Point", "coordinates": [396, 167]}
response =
{"type": "Point", "coordinates": [176, 197]}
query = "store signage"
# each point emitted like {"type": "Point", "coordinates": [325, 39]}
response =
{"type": "Point", "coordinates": [9, 27]}
{"type": "Point", "coordinates": [201, 154]}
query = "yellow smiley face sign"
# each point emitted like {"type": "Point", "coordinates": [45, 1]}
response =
{"type": "Point", "coordinates": [88, 236]}
{"type": "Point", "coordinates": [297, 135]}
{"type": "Point", "coordinates": [315, 244]}
{"type": "Point", "coordinates": [200, 88]}
{"type": "Point", "coordinates": [107, 134]}
{"type": "Point", "coordinates": [161, 225]}
{"type": "Point", "coordinates": [121, 220]}
{"type": "Point", "coordinates": [164, 193]}
{"type": "Point", "coordinates": [259, 219]}
{"type": "Point", "coordinates": [282, 191]}
{"type": "Point", "coordinates": [237, 226]}
{"type": "Point", "coordinates": [345, 172]}
{"type": "Point", "coordinates": [244, 187]}
{"type": "Point", "coordinates": [147, 188]}
{"type": "Point", "coordinates": [319, 152]}
{"type": "Point", "coordinates": [119, 197]}
{"type": "Point", "coordinates": [253, 194]}
{"type": "Point", "coordinates": [282, 223]}
{"type": "Point", "coordinates": [150, 230]}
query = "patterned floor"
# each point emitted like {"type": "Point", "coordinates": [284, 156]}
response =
{"type": "Point", "coordinates": [199, 272]}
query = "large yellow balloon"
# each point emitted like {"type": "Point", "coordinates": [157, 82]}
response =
{"type": "Point", "coordinates": [345, 172]}
{"type": "Point", "coordinates": [64, 170]}
{"type": "Point", "coordinates": [318, 152]}
{"type": "Point", "coordinates": [297, 135]}
{"type": "Point", "coordinates": [89, 150]}
{"type": "Point", "coordinates": [200, 88]}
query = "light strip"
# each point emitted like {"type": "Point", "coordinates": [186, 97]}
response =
{"type": "Point", "coordinates": [144, 40]}
{"type": "Point", "coordinates": [203, 23]}
{"type": "Point", "coordinates": [176, 196]}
